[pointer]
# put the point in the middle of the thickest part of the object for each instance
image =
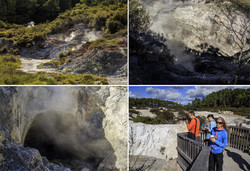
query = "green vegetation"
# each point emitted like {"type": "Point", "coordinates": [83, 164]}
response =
{"type": "Point", "coordinates": [95, 17]}
{"type": "Point", "coordinates": [139, 20]}
{"type": "Point", "coordinates": [134, 111]}
{"type": "Point", "coordinates": [51, 17]}
{"type": "Point", "coordinates": [234, 100]}
{"type": "Point", "coordinates": [103, 42]}
{"type": "Point", "coordinates": [62, 55]}
{"type": "Point", "coordinates": [9, 74]}
{"type": "Point", "coordinates": [149, 102]}
{"type": "Point", "coordinates": [243, 5]}
{"type": "Point", "coordinates": [23, 11]}
{"type": "Point", "coordinates": [162, 117]}
{"type": "Point", "coordinates": [237, 101]}
{"type": "Point", "coordinates": [224, 98]}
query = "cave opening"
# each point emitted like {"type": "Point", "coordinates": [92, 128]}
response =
{"type": "Point", "coordinates": [60, 138]}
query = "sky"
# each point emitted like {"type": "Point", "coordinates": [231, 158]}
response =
{"type": "Point", "coordinates": [179, 94]}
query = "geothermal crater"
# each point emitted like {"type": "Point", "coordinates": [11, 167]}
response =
{"type": "Point", "coordinates": [76, 128]}
{"type": "Point", "coordinates": [58, 137]}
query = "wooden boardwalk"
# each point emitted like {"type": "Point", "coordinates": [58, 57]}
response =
{"type": "Point", "coordinates": [194, 155]}
{"type": "Point", "coordinates": [236, 160]}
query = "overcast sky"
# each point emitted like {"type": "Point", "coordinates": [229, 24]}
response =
{"type": "Point", "coordinates": [180, 94]}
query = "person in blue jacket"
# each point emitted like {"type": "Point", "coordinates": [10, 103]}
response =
{"type": "Point", "coordinates": [209, 128]}
{"type": "Point", "coordinates": [218, 141]}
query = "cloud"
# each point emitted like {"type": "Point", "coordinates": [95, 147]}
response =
{"type": "Point", "coordinates": [203, 91]}
{"type": "Point", "coordinates": [134, 95]}
{"type": "Point", "coordinates": [164, 94]}
{"type": "Point", "coordinates": [182, 94]}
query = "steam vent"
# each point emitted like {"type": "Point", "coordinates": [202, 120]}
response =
{"type": "Point", "coordinates": [63, 128]}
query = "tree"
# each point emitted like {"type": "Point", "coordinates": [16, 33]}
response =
{"type": "Point", "coordinates": [236, 21]}
{"type": "Point", "coordinates": [138, 18]}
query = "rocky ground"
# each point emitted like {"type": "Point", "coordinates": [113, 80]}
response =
{"type": "Point", "coordinates": [108, 62]}
{"type": "Point", "coordinates": [13, 156]}
{"type": "Point", "coordinates": [32, 65]}
{"type": "Point", "coordinates": [146, 113]}
{"type": "Point", "coordinates": [150, 163]}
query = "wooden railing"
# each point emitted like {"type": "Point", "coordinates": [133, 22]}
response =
{"type": "Point", "coordinates": [192, 155]}
{"type": "Point", "coordinates": [239, 138]}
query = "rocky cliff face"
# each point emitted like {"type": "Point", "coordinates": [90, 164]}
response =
{"type": "Point", "coordinates": [159, 141]}
{"type": "Point", "coordinates": [192, 22]}
{"type": "Point", "coordinates": [89, 116]}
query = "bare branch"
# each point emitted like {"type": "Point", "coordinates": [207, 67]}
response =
{"type": "Point", "coordinates": [246, 62]}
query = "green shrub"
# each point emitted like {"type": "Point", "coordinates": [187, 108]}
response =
{"type": "Point", "coordinates": [154, 110]}
{"type": "Point", "coordinates": [65, 54]}
{"type": "Point", "coordinates": [134, 111]}
{"type": "Point", "coordinates": [4, 49]}
{"type": "Point", "coordinates": [14, 51]}
{"type": "Point", "coordinates": [103, 42]}
{"type": "Point", "coordinates": [10, 58]}
{"type": "Point", "coordinates": [113, 26]}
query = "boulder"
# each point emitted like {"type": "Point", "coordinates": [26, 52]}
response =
{"type": "Point", "coordinates": [13, 156]}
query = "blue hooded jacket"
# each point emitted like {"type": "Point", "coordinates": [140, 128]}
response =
{"type": "Point", "coordinates": [221, 141]}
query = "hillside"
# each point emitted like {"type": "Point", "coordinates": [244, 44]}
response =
{"type": "Point", "coordinates": [86, 44]}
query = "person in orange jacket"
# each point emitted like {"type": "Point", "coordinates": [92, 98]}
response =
{"type": "Point", "coordinates": [193, 127]}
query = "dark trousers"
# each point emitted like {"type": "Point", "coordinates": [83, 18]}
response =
{"type": "Point", "coordinates": [215, 160]}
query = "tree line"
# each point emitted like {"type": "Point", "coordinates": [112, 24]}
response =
{"type": "Point", "coordinates": [223, 98]}
{"type": "Point", "coordinates": [23, 11]}
{"type": "Point", "coordinates": [150, 102]}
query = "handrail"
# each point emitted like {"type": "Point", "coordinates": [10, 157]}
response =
{"type": "Point", "coordinates": [202, 160]}
{"type": "Point", "coordinates": [239, 138]}
{"type": "Point", "coordinates": [190, 152]}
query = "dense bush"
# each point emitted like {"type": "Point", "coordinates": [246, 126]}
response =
{"type": "Point", "coordinates": [23, 11]}
{"type": "Point", "coordinates": [96, 17]}
{"type": "Point", "coordinates": [224, 98]}
{"type": "Point", "coordinates": [138, 18]}
{"type": "Point", "coordinates": [4, 49]}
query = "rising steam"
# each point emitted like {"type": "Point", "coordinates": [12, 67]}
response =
{"type": "Point", "coordinates": [163, 21]}
{"type": "Point", "coordinates": [62, 124]}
